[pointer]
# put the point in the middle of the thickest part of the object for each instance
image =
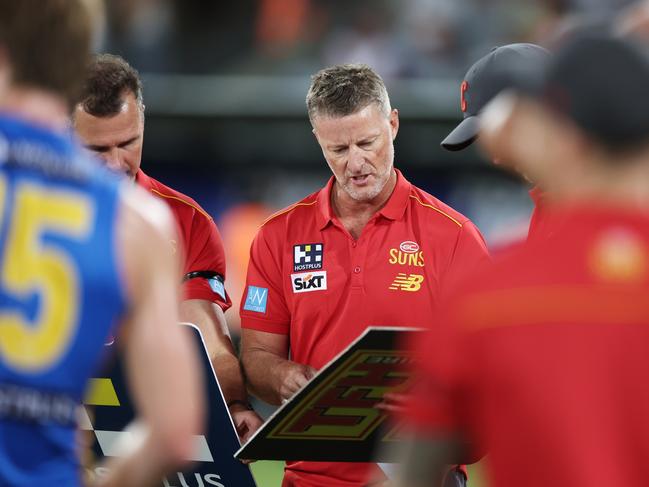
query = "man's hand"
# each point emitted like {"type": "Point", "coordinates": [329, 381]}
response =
{"type": "Point", "coordinates": [245, 421]}
{"type": "Point", "coordinates": [271, 376]}
{"type": "Point", "coordinates": [395, 403]}
{"type": "Point", "coordinates": [293, 377]}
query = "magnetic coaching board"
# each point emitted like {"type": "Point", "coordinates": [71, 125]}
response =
{"type": "Point", "coordinates": [109, 410]}
{"type": "Point", "coordinates": [334, 418]}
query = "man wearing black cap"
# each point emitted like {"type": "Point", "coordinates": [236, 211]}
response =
{"type": "Point", "coordinates": [484, 80]}
{"type": "Point", "coordinates": [490, 75]}
{"type": "Point", "coordinates": [542, 362]}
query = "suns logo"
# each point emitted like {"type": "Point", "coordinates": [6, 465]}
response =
{"type": "Point", "coordinates": [408, 254]}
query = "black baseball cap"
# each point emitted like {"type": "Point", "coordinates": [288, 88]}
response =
{"type": "Point", "coordinates": [600, 83]}
{"type": "Point", "coordinates": [485, 79]}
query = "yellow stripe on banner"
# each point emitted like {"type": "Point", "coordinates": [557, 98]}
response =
{"type": "Point", "coordinates": [100, 392]}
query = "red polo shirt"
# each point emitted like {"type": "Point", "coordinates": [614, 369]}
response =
{"type": "Point", "coordinates": [309, 279]}
{"type": "Point", "coordinates": [201, 244]}
{"type": "Point", "coordinates": [543, 361]}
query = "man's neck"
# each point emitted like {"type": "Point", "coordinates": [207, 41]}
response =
{"type": "Point", "coordinates": [37, 106]}
{"type": "Point", "coordinates": [626, 185]}
{"type": "Point", "coordinates": [354, 214]}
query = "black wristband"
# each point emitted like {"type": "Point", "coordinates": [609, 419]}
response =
{"type": "Point", "coordinates": [204, 275]}
{"type": "Point", "coordinates": [245, 404]}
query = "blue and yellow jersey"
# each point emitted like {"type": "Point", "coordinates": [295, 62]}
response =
{"type": "Point", "coordinates": [60, 295]}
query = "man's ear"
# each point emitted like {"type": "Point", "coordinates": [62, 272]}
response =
{"type": "Point", "coordinates": [394, 122]}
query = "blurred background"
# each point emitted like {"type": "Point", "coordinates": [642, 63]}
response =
{"type": "Point", "coordinates": [225, 83]}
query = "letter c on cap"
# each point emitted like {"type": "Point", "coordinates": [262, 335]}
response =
{"type": "Point", "coordinates": [463, 89]}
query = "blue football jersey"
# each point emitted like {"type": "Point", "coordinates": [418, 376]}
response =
{"type": "Point", "coordinates": [60, 296]}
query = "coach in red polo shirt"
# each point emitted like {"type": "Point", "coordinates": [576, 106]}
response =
{"type": "Point", "coordinates": [109, 120]}
{"type": "Point", "coordinates": [367, 249]}
{"type": "Point", "coordinates": [543, 361]}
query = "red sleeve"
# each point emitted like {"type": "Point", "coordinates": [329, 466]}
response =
{"type": "Point", "coordinates": [469, 255]}
{"type": "Point", "coordinates": [263, 305]}
{"type": "Point", "coordinates": [204, 253]}
{"type": "Point", "coordinates": [432, 405]}
{"type": "Point", "coordinates": [445, 393]}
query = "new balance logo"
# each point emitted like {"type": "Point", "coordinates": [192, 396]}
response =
{"type": "Point", "coordinates": [307, 257]}
{"type": "Point", "coordinates": [256, 299]}
{"type": "Point", "coordinates": [407, 282]}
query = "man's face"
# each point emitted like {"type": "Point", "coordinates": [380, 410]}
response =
{"type": "Point", "coordinates": [116, 139]}
{"type": "Point", "coordinates": [359, 149]}
{"type": "Point", "coordinates": [514, 133]}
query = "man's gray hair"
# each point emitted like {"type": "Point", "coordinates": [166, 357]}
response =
{"type": "Point", "coordinates": [344, 89]}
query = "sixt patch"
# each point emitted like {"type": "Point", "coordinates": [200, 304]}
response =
{"type": "Point", "coordinates": [306, 282]}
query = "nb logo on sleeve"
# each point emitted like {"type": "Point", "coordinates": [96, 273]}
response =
{"type": "Point", "coordinates": [256, 299]}
{"type": "Point", "coordinates": [410, 282]}
{"type": "Point", "coordinates": [309, 281]}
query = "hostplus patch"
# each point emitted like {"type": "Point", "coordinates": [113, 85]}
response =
{"type": "Point", "coordinates": [307, 257]}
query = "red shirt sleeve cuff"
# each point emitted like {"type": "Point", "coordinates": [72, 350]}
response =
{"type": "Point", "coordinates": [264, 325]}
{"type": "Point", "coordinates": [200, 292]}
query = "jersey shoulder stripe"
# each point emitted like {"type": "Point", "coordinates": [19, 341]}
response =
{"type": "Point", "coordinates": [438, 210]}
{"type": "Point", "coordinates": [288, 210]}
{"type": "Point", "coordinates": [182, 200]}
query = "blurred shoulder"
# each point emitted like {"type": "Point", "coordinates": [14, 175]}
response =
{"type": "Point", "coordinates": [141, 214]}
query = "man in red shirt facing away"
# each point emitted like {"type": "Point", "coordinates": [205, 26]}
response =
{"type": "Point", "coordinates": [109, 120]}
{"type": "Point", "coordinates": [484, 80]}
{"type": "Point", "coordinates": [542, 361]}
{"type": "Point", "coordinates": [367, 249]}
{"type": "Point", "coordinates": [491, 74]}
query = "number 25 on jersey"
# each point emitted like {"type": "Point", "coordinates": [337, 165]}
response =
{"type": "Point", "coordinates": [35, 270]}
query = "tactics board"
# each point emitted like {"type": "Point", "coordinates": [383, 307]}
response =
{"type": "Point", "coordinates": [110, 410]}
{"type": "Point", "coordinates": [334, 418]}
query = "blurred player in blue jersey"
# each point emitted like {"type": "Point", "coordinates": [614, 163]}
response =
{"type": "Point", "coordinates": [82, 255]}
